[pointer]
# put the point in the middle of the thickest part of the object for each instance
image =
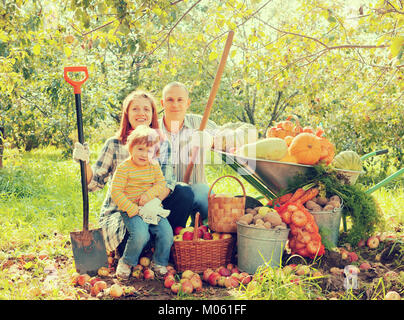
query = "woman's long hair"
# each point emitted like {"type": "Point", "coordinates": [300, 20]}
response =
{"type": "Point", "coordinates": [125, 127]}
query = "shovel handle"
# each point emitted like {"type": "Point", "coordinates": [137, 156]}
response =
{"type": "Point", "coordinates": [76, 84]}
{"type": "Point", "coordinates": [209, 104]}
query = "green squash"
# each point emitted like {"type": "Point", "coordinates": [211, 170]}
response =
{"type": "Point", "coordinates": [347, 160]}
{"type": "Point", "coordinates": [268, 149]}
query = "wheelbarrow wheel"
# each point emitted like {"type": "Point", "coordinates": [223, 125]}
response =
{"type": "Point", "coordinates": [250, 202]}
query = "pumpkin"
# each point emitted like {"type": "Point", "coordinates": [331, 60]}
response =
{"type": "Point", "coordinates": [348, 160]}
{"type": "Point", "coordinates": [288, 158]}
{"type": "Point", "coordinates": [327, 150]}
{"type": "Point", "coordinates": [306, 148]}
{"type": "Point", "coordinates": [288, 140]}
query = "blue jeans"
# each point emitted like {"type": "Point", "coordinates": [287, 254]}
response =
{"type": "Point", "coordinates": [139, 236]}
{"type": "Point", "coordinates": [180, 203]}
{"type": "Point", "coordinates": [200, 204]}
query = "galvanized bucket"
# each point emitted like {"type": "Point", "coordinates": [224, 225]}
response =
{"type": "Point", "coordinates": [329, 222]}
{"type": "Point", "coordinates": [257, 246]}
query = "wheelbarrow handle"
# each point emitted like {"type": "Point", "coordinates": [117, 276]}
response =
{"type": "Point", "coordinates": [374, 153]}
{"type": "Point", "coordinates": [76, 84]}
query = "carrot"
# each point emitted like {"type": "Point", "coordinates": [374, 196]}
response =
{"type": "Point", "coordinates": [310, 194]}
{"type": "Point", "coordinates": [297, 195]}
{"type": "Point", "coordinates": [285, 198]}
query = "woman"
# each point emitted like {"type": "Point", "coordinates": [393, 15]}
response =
{"type": "Point", "coordinates": [138, 108]}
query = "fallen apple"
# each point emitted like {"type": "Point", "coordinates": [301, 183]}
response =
{"type": "Point", "coordinates": [373, 242]}
{"type": "Point", "coordinates": [115, 291]}
{"type": "Point", "coordinates": [206, 274]}
{"type": "Point", "coordinates": [187, 274]}
{"type": "Point", "coordinates": [93, 280]}
{"type": "Point", "coordinates": [364, 266]}
{"type": "Point", "coordinates": [221, 281]}
{"type": "Point", "coordinates": [231, 282]}
{"type": "Point", "coordinates": [103, 272]}
{"type": "Point", "coordinates": [245, 278]}
{"type": "Point", "coordinates": [148, 274]}
{"type": "Point", "coordinates": [83, 279]}
{"type": "Point", "coordinates": [169, 281]}
{"type": "Point", "coordinates": [187, 286]}
{"type": "Point", "coordinates": [98, 287]}
{"type": "Point", "coordinates": [196, 283]}
{"type": "Point", "coordinates": [213, 278]}
{"type": "Point", "coordinates": [235, 270]}
{"type": "Point", "coordinates": [353, 256]}
{"type": "Point", "coordinates": [176, 287]}
{"type": "Point", "coordinates": [144, 261]}
{"type": "Point", "coordinates": [361, 243]}
{"type": "Point", "coordinates": [137, 274]}
{"type": "Point", "coordinates": [230, 266]}
{"type": "Point", "coordinates": [392, 295]}
{"type": "Point", "coordinates": [223, 271]}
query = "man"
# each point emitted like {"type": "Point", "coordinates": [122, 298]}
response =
{"type": "Point", "coordinates": [181, 129]}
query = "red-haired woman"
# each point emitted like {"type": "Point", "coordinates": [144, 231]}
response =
{"type": "Point", "coordinates": [138, 108]}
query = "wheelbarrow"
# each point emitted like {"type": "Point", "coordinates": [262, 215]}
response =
{"type": "Point", "coordinates": [270, 177]}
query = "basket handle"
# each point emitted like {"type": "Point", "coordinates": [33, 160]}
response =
{"type": "Point", "coordinates": [242, 186]}
{"type": "Point", "coordinates": [196, 226]}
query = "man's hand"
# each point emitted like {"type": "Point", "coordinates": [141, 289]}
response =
{"type": "Point", "coordinates": [81, 152]}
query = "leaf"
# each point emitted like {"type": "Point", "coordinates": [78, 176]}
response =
{"type": "Point", "coordinates": [396, 46]}
{"type": "Point", "coordinates": [36, 49]}
{"type": "Point", "coordinates": [213, 55]}
{"type": "Point", "coordinates": [68, 51]}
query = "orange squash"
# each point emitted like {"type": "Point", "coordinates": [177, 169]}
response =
{"type": "Point", "coordinates": [288, 158]}
{"type": "Point", "coordinates": [288, 140]}
{"type": "Point", "coordinates": [306, 148]}
{"type": "Point", "coordinates": [327, 150]}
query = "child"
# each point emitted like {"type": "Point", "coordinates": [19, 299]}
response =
{"type": "Point", "coordinates": [138, 187]}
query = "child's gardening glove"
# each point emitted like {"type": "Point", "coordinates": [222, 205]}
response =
{"type": "Point", "coordinates": [81, 152]}
{"type": "Point", "coordinates": [149, 211]}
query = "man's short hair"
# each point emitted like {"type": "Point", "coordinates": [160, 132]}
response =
{"type": "Point", "coordinates": [174, 84]}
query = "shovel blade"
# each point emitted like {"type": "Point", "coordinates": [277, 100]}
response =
{"type": "Point", "coordinates": [89, 251]}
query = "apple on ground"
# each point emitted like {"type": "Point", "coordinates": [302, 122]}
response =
{"type": "Point", "coordinates": [230, 266]}
{"type": "Point", "coordinates": [221, 281]}
{"type": "Point", "coordinates": [137, 274]}
{"type": "Point", "coordinates": [98, 287]}
{"type": "Point", "coordinates": [235, 270]}
{"type": "Point", "coordinates": [138, 267]}
{"type": "Point", "coordinates": [231, 282]}
{"type": "Point", "coordinates": [373, 242]}
{"type": "Point", "coordinates": [187, 286]}
{"type": "Point", "coordinates": [365, 266]}
{"type": "Point", "coordinates": [187, 274]}
{"type": "Point", "coordinates": [353, 256]}
{"type": "Point", "coordinates": [170, 269]}
{"type": "Point", "coordinates": [177, 230]}
{"type": "Point", "coordinates": [93, 280]}
{"type": "Point", "coordinates": [245, 278]}
{"type": "Point", "coordinates": [144, 261]}
{"type": "Point", "coordinates": [116, 290]}
{"type": "Point", "coordinates": [188, 235]}
{"type": "Point", "coordinates": [392, 295]}
{"type": "Point", "coordinates": [83, 279]}
{"type": "Point", "coordinates": [148, 274]}
{"type": "Point", "coordinates": [213, 278]}
{"type": "Point", "coordinates": [361, 243]}
{"type": "Point", "coordinates": [206, 274]}
{"type": "Point", "coordinates": [103, 272]}
{"type": "Point", "coordinates": [176, 287]}
{"type": "Point", "coordinates": [235, 275]}
{"type": "Point", "coordinates": [196, 282]}
{"type": "Point", "coordinates": [224, 271]}
{"type": "Point", "coordinates": [169, 281]}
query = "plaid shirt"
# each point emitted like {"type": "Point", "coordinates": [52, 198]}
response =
{"type": "Point", "coordinates": [111, 155]}
{"type": "Point", "coordinates": [180, 148]}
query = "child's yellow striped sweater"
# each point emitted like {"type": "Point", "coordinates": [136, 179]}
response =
{"type": "Point", "coordinates": [131, 181]}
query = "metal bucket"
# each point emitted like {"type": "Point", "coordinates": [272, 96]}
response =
{"type": "Point", "coordinates": [256, 247]}
{"type": "Point", "coordinates": [329, 222]}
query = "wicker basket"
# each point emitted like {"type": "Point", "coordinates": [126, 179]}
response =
{"type": "Point", "coordinates": [225, 210]}
{"type": "Point", "coordinates": [198, 255]}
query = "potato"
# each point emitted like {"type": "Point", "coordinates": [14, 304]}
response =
{"type": "Point", "coordinates": [267, 225]}
{"type": "Point", "coordinates": [247, 218]}
{"type": "Point", "coordinates": [249, 210]}
{"type": "Point", "coordinates": [273, 218]}
{"type": "Point", "coordinates": [334, 203]}
{"type": "Point", "coordinates": [282, 226]}
{"type": "Point", "coordinates": [335, 198]}
{"type": "Point", "coordinates": [322, 200]}
{"type": "Point", "coordinates": [259, 222]}
{"type": "Point", "coordinates": [328, 207]}
{"type": "Point", "coordinates": [310, 204]}
{"type": "Point", "coordinates": [317, 208]}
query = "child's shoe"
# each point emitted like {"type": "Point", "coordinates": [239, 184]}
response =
{"type": "Point", "coordinates": [158, 269]}
{"type": "Point", "coordinates": [123, 270]}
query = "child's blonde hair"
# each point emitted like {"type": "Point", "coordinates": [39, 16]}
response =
{"type": "Point", "coordinates": [143, 135]}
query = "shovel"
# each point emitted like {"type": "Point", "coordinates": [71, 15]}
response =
{"type": "Point", "coordinates": [89, 250]}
